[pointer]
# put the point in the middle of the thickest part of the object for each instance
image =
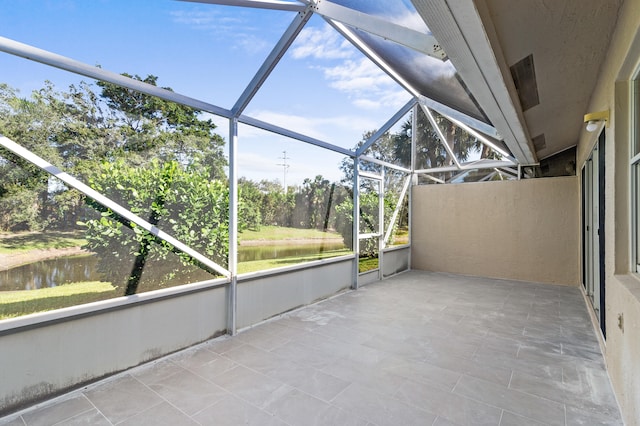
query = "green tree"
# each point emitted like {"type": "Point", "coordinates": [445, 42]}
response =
{"type": "Point", "coordinates": [78, 129]}
{"type": "Point", "coordinates": [24, 188]}
{"type": "Point", "coordinates": [150, 126]}
{"type": "Point", "coordinates": [250, 208]}
{"type": "Point", "coordinates": [277, 207]}
{"type": "Point", "coordinates": [186, 204]}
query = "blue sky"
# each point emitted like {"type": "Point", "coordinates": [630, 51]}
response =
{"type": "Point", "coordinates": [323, 87]}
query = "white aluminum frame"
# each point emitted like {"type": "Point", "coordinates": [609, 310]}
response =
{"type": "Point", "coordinates": [341, 19]}
{"type": "Point", "coordinates": [634, 172]}
{"type": "Point", "coordinates": [258, 4]}
{"type": "Point", "coordinates": [421, 42]}
{"type": "Point", "coordinates": [441, 135]}
{"type": "Point", "coordinates": [394, 216]}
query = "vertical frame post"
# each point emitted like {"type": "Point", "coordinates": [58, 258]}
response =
{"type": "Point", "coordinates": [232, 307]}
{"type": "Point", "coordinates": [381, 191]}
{"type": "Point", "coordinates": [356, 222]}
{"type": "Point", "coordinates": [414, 176]}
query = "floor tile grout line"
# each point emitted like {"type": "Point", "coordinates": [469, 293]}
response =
{"type": "Point", "coordinates": [77, 414]}
{"type": "Point", "coordinates": [65, 396]}
{"type": "Point", "coordinates": [85, 412]}
{"type": "Point", "coordinates": [457, 382]}
{"type": "Point", "coordinates": [518, 352]}
{"type": "Point", "coordinates": [160, 396]}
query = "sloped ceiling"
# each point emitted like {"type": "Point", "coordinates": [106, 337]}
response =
{"type": "Point", "coordinates": [568, 41]}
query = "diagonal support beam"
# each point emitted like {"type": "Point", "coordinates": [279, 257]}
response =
{"type": "Point", "coordinates": [272, 60]}
{"type": "Point", "coordinates": [366, 158]}
{"type": "Point", "coordinates": [385, 128]}
{"type": "Point", "coordinates": [394, 217]}
{"type": "Point", "coordinates": [421, 42]}
{"type": "Point", "coordinates": [108, 203]}
{"type": "Point", "coordinates": [480, 137]}
{"type": "Point", "coordinates": [441, 135]}
{"type": "Point", "coordinates": [474, 123]}
{"type": "Point", "coordinates": [258, 4]}
{"type": "Point", "coordinates": [62, 62]}
{"type": "Point", "coordinates": [369, 53]}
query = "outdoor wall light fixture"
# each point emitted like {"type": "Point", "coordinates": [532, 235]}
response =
{"type": "Point", "coordinates": [593, 118]}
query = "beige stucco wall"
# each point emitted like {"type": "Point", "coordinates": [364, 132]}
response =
{"type": "Point", "coordinates": [524, 230]}
{"type": "Point", "coordinates": [622, 346]}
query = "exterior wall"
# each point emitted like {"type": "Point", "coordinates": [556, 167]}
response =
{"type": "Point", "coordinates": [622, 347]}
{"type": "Point", "coordinates": [395, 260]}
{"type": "Point", "coordinates": [523, 230]}
{"type": "Point", "coordinates": [263, 296]}
{"type": "Point", "coordinates": [52, 352]}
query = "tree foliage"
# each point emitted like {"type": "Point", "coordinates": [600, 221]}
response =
{"type": "Point", "coordinates": [186, 204]}
{"type": "Point", "coordinates": [79, 129]}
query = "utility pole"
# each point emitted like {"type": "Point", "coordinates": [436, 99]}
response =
{"type": "Point", "coordinates": [285, 169]}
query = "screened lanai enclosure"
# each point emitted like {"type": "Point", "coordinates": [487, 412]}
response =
{"type": "Point", "coordinates": [180, 170]}
{"type": "Point", "coordinates": [160, 187]}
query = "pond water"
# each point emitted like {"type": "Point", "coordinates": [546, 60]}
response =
{"type": "Point", "coordinates": [276, 251]}
{"type": "Point", "coordinates": [63, 270]}
{"type": "Point", "coordinates": [50, 273]}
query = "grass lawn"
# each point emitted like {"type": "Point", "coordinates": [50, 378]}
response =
{"type": "Point", "coordinates": [16, 303]}
{"type": "Point", "coordinates": [25, 241]}
{"type": "Point", "coordinates": [273, 233]}
{"type": "Point", "coordinates": [367, 264]}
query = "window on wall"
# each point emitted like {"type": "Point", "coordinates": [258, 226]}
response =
{"type": "Point", "coordinates": [635, 169]}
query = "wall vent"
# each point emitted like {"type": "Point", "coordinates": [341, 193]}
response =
{"type": "Point", "coordinates": [524, 77]}
{"type": "Point", "coordinates": [539, 142]}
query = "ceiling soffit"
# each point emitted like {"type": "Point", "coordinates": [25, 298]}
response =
{"type": "Point", "coordinates": [472, 47]}
{"type": "Point", "coordinates": [568, 41]}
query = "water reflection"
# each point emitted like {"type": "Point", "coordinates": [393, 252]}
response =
{"type": "Point", "coordinates": [50, 273]}
{"type": "Point", "coordinates": [65, 270]}
{"type": "Point", "coordinates": [283, 251]}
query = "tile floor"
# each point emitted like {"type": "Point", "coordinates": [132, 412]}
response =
{"type": "Point", "coordinates": [417, 349]}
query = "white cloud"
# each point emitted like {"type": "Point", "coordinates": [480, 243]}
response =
{"type": "Point", "coordinates": [436, 68]}
{"type": "Point", "coordinates": [321, 43]}
{"type": "Point", "coordinates": [413, 20]}
{"type": "Point", "coordinates": [366, 85]}
{"type": "Point", "coordinates": [196, 19]}
{"type": "Point", "coordinates": [357, 76]}
{"type": "Point", "coordinates": [256, 164]}
{"type": "Point", "coordinates": [235, 29]}
{"type": "Point", "coordinates": [348, 127]}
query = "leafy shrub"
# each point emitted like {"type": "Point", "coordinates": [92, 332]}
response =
{"type": "Point", "coordinates": [185, 204]}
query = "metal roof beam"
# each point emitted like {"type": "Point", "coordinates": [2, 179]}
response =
{"type": "Point", "coordinates": [62, 62]}
{"type": "Point", "coordinates": [447, 111]}
{"type": "Point", "coordinates": [468, 166]}
{"type": "Point", "coordinates": [258, 4]}
{"type": "Point", "coordinates": [388, 125]}
{"type": "Point", "coordinates": [254, 122]}
{"type": "Point", "coordinates": [272, 60]}
{"type": "Point", "coordinates": [482, 138]}
{"type": "Point", "coordinates": [421, 42]}
{"type": "Point", "coordinates": [471, 44]}
{"type": "Point", "coordinates": [362, 47]}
